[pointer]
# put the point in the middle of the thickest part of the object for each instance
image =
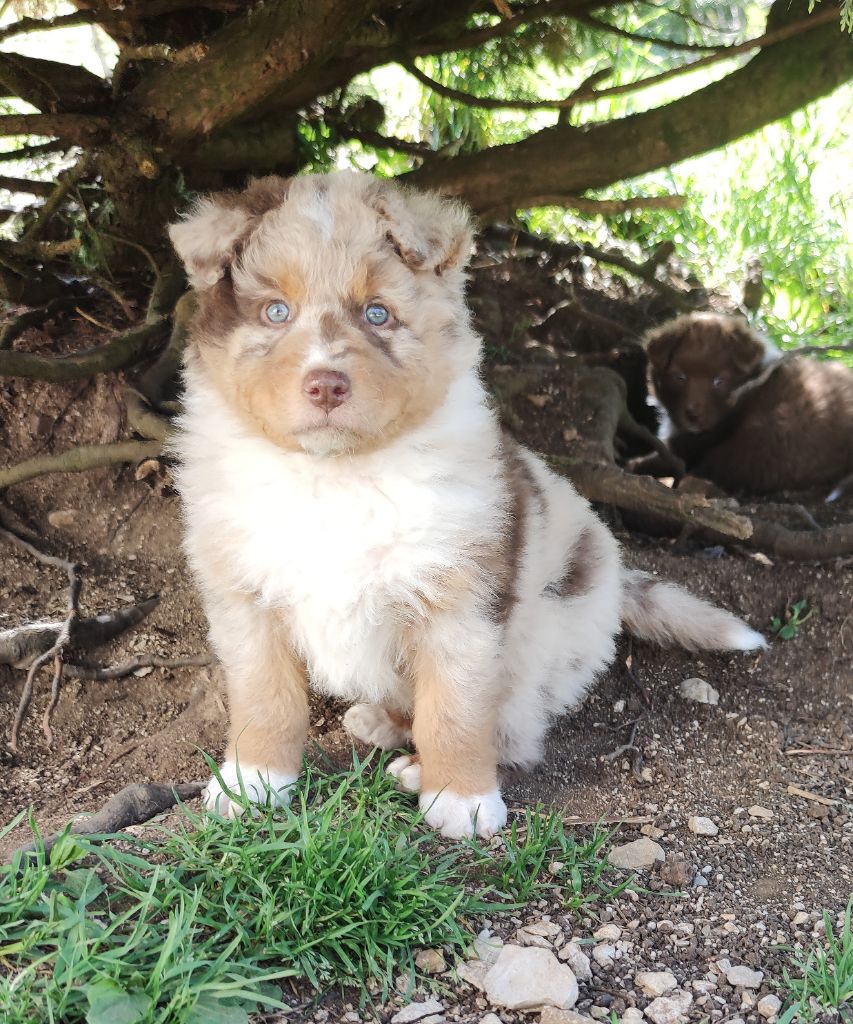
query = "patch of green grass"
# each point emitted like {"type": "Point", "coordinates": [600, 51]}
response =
{"type": "Point", "coordinates": [789, 627]}
{"type": "Point", "coordinates": [823, 982]}
{"type": "Point", "coordinates": [196, 925]}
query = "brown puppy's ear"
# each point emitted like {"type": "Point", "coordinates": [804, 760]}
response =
{"type": "Point", "coordinates": [427, 231]}
{"type": "Point", "coordinates": [211, 234]}
{"type": "Point", "coordinates": [744, 347]}
{"type": "Point", "coordinates": [661, 343]}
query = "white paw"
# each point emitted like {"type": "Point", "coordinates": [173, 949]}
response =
{"type": "Point", "coordinates": [262, 785]}
{"type": "Point", "coordinates": [372, 724]}
{"type": "Point", "coordinates": [454, 816]}
{"type": "Point", "coordinates": [407, 772]}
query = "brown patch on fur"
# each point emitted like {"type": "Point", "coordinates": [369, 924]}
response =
{"type": "Point", "coordinates": [268, 700]}
{"type": "Point", "coordinates": [748, 428]}
{"type": "Point", "coordinates": [579, 570]}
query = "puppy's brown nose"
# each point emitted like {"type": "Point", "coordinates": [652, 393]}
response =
{"type": "Point", "coordinates": [327, 389]}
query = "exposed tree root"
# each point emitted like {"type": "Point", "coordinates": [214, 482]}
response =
{"type": "Point", "coordinates": [597, 406]}
{"type": "Point", "coordinates": [143, 419]}
{"type": "Point", "coordinates": [123, 350]}
{"type": "Point", "coordinates": [160, 381]}
{"type": "Point", "coordinates": [133, 805]}
{"type": "Point", "coordinates": [78, 460]}
{"type": "Point", "coordinates": [34, 318]}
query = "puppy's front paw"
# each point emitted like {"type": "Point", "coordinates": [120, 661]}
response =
{"type": "Point", "coordinates": [407, 771]}
{"type": "Point", "coordinates": [457, 816]}
{"type": "Point", "coordinates": [372, 724]}
{"type": "Point", "coordinates": [262, 785]}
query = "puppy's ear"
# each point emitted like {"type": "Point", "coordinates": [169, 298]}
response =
{"type": "Point", "coordinates": [745, 348]}
{"type": "Point", "coordinates": [661, 343]}
{"type": "Point", "coordinates": [427, 231]}
{"type": "Point", "coordinates": [211, 234]}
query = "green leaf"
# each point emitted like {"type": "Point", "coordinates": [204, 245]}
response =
{"type": "Point", "coordinates": [210, 1010]}
{"type": "Point", "coordinates": [109, 1003]}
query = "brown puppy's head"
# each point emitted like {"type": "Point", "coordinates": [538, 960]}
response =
{"type": "Point", "coordinates": [331, 310]}
{"type": "Point", "coordinates": [698, 361]}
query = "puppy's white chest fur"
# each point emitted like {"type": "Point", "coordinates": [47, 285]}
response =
{"type": "Point", "coordinates": [347, 550]}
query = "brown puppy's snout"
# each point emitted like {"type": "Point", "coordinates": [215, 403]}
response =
{"type": "Point", "coordinates": [327, 389]}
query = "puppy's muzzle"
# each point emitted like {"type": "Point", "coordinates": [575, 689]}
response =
{"type": "Point", "coordinates": [327, 389]}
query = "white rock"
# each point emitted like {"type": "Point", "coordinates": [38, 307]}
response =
{"type": "Point", "coordinates": [539, 933]}
{"type": "Point", "coordinates": [652, 831]}
{"type": "Point", "coordinates": [474, 973]}
{"type": "Point", "coordinates": [491, 1018]}
{"type": "Point", "coordinates": [746, 977]}
{"type": "Point", "coordinates": [769, 1006]}
{"type": "Point", "coordinates": [430, 961]}
{"type": "Point", "coordinates": [573, 954]}
{"type": "Point", "coordinates": [702, 826]}
{"type": "Point", "coordinates": [632, 1016]}
{"type": "Point", "coordinates": [417, 1011]}
{"type": "Point", "coordinates": [801, 917]}
{"type": "Point", "coordinates": [487, 948]}
{"type": "Point", "coordinates": [608, 932]}
{"type": "Point", "coordinates": [703, 987]}
{"type": "Point", "coordinates": [604, 954]}
{"type": "Point", "coordinates": [551, 1015]}
{"type": "Point", "coordinates": [642, 853]}
{"type": "Point", "coordinates": [655, 983]}
{"type": "Point", "coordinates": [527, 978]}
{"type": "Point", "coordinates": [669, 1009]}
{"type": "Point", "coordinates": [757, 811]}
{"type": "Point", "coordinates": [700, 691]}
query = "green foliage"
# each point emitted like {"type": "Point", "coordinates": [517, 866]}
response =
{"type": "Point", "coordinates": [789, 627]}
{"type": "Point", "coordinates": [823, 983]}
{"type": "Point", "coordinates": [194, 926]}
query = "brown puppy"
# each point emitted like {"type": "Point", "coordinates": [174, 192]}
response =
{"type": "Point", "coordinates": [744, 417]}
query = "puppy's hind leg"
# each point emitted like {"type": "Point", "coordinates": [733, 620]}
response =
{"type": "Point", "coordinates": [268, 703]}
{"type": "Point", "coordinates": [378, 726]}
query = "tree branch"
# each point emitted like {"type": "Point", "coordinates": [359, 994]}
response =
{"type": "Point", "coordinates": [638, 37]}
{"type": "Point", "coordinates": [121, 351]}
{"type": "Point", "coordinates": [780, 79]}
{"type": "Point", "coordinates": [50, 85]}
{"type": "Point", "coordinates": [28, 152]}
{"type": "Point", "coordinates": [79, 129]}
{"type": "Point", "coordinates": [249, 59]}
{"type": "Point", "coordinates": [78, 460]}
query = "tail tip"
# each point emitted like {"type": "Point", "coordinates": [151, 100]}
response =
{"type": "Point", "coordinates": [742, 638]}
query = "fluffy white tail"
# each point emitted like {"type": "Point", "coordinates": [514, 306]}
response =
{"type": "Point", "coordinates": [668, 614]}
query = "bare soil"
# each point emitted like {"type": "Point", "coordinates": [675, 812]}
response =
{"type": "Point", "coordinates": [784, 719]}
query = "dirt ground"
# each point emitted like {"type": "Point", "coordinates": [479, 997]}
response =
{"type": "Point", "coordinates": [780, 739]}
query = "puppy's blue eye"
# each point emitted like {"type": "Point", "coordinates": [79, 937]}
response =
{"type": "Point", "coordinates": [718, 382]}
{"type": "Point", "coordinates": [277, 312]}
{"type": "Point", "coordinates": [376, 315]}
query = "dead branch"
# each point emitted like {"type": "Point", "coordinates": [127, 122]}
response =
{"type": "Point", "coordinates": [20, 645]}
{"type": "Point", "coordinates": [125, 349]}
{"type": "Point", "coordinates": [66, 181]}
{"type": "Point", "coordinates": [78, 129]}
{"type": "Point", "coordinates": [595, 207]}
{"type": "Point", "coordinates": [28, 152]}
{"type": "Point", "coordinates": [33, 318]}
{"type": "Point", "coordinates": [61, 641]}
{"type": "Point", "coordinates": [133, 805]}
{"type": "Point", "coordinates": [125, 668]}
{"type": "Point", "coordinates": [78, 460]}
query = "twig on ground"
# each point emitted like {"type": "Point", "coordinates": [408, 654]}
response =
{"type": "Point", "coordinates": [133, 805]}
{"type": "Point", "coordinates": [126, 668]}
{"type": "Point", "coordinates": [63, 635]}
{"type": "Point", "coordinates": [823, 751]}
{"type": "Point", "coordinates": [806, 795]}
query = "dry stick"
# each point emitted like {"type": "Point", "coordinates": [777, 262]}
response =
{"type": "Point", "coordinates": [133, 805]}
{"type": "Point", "coordinates": [33, 188]}
{"type": "Point", "coordinates": [126, 348]}
{"type": "Point", "coordinates": [28, 152]}
{"type": "Point", "coordinates": [78, 460]}
{"type": "Point", "coordinates": [125, 668]}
